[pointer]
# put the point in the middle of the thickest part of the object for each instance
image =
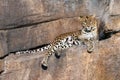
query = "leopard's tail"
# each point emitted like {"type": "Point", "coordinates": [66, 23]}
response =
{"type": "Point", "coordinates": [33, 50]}
{"type": "Point", "coordinates": [44, 48]}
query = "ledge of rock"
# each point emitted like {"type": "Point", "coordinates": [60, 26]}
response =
{"type": "Point", "coordinates": [75, 63]}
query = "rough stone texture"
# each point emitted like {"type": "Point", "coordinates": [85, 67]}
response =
{"type": "Point", "coordinates": [27, 24]}
{"type": "Point", "coordinates": [17, 13]}
{"type": "Point", "coordinates": [3, 42]}
{"type": "Point", "coordinates": [3, 48]}
{"type": "Point", "coordinates": [74, 64]}
{"type": "Point", "coordinates": [115, 10]}
{"type": "Point", "coordinates": [113, 23]}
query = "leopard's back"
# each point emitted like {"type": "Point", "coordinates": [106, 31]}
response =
{"type": "Point", "coordinates": [65, 40]}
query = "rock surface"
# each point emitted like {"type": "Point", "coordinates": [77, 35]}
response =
{"type": "Point", "coordinates": [74, 64]}
{"type": "Point", "coordinates": [28, 24]}
{"type": "Point", "coordinates": [18, 13]}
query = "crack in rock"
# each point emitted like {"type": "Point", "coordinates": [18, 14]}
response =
{"type": "Point", "coordinates": [108, 33]}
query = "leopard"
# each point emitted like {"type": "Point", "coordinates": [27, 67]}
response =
{"type": "Point", "coordinates": [88, 35]}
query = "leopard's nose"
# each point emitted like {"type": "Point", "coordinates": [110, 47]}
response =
{"type": "Point", "coordinates": [88, 30]}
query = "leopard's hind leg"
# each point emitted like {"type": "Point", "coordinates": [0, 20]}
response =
{"type": "Point", "coordinates": [60, 49]}
{"type": "Point", "coordinates": [44, 63]}
{"type": "Point", "coordinates": [58, 54]}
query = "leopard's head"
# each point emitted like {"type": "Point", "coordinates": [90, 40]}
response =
{"type": "Point", "coordinates": [89, 24]}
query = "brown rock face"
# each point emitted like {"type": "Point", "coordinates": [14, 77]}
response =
{"type": "Point", "coordinates": [74, 64]}
{"type": "Point", "coordinates": [26, 24]}
{"type": "Point", "coordinates": [18, 13]}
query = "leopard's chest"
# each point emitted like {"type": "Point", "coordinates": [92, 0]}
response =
{"type": "Point", "coordinates": [66, 40]}
{"type": "Point", "coordinates": [88, 36]}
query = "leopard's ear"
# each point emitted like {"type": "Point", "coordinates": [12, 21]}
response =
{"type": "Point", "coordinates": [81, 18]}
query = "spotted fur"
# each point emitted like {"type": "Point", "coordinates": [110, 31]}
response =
{"type": "Point", "coordinates": [87, 35]}
{"type": "Point", "coordinates": [34, 51]}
